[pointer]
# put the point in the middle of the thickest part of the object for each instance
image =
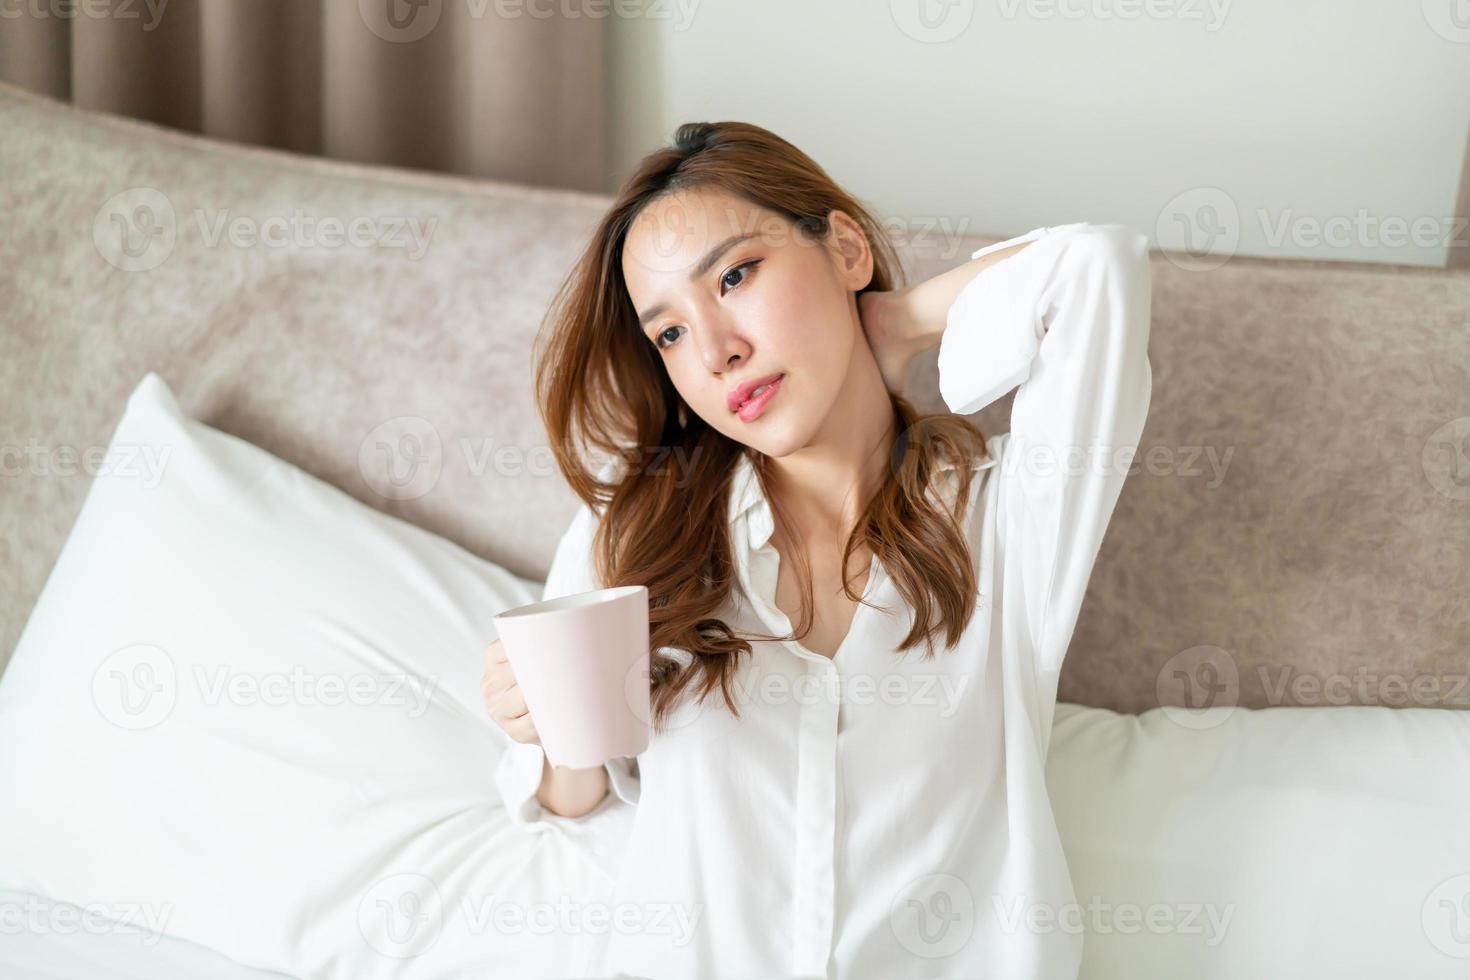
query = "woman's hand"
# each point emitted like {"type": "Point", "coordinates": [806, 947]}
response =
{"type": "Point", "coordinates": [890, 334]}
{"type": "Point", "coordinates": [902, 323]}
{"type": "Point", "coordinates": [565, 792]}
{"type": "Point", "coordinates": [503, 699]}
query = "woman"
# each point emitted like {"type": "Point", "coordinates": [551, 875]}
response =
{"type": "Point", "coordinates": [862, 795]}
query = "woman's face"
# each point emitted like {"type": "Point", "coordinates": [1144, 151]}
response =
{"type": "Point", "coordinates": [728, 292]}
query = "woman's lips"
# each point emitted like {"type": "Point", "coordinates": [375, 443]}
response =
{"type": "Point", "coordinates": [741, 393]}
{"type": "Point", "coordinates": [752, 409]}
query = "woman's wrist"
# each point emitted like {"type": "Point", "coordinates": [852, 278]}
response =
{"type": "Point", "coordinates": [921, 311]}
{"type": "Point", "coordinates": [571, 792]}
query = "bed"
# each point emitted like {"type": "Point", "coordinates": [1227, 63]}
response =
{"type": "Point", "coordinates": [239, 469]}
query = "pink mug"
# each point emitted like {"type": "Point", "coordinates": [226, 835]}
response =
{"type": "Point", "coordinates": [582, 663]}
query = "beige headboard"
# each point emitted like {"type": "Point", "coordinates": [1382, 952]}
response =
{"type": "Point", "coordinates": [1301, 510]}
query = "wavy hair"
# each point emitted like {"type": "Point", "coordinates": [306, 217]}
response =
{"type": "Point", "coordinates": [601, 386]}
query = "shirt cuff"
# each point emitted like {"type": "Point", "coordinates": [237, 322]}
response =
{"type": "Point", "coordinates": [518, 777]}
{"type": "Point", "coordinates": [993, 329]}
{"type": "Point", "coordinates": [623, 778]}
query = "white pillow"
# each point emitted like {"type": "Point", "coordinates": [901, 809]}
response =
{"type": "Point", "coordinates": [1218, 843]}
{"type": "Point", "coordinates": [246, 712]}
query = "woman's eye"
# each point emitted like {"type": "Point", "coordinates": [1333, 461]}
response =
{"type": "Point", "coordinates": [662, 340]}
{"type": "Point", "coordinates": [725, 279]}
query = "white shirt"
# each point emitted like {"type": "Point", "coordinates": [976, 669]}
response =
{"type": "Point", "coordinates": [884, 816]}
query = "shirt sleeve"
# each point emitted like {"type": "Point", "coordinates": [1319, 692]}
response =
{"type": "Point", "coordinates": [518, 774]}
{"type": "Point", "coordinates": [1067, 319]}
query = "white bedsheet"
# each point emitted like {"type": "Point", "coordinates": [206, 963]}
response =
{"type": "Point", "coordinates": [1327, 841]}
{"type": "Point", "coordinates": [45, 940]}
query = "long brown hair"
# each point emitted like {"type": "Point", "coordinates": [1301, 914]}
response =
{"type": "Point", "coordinates": [663, 516]}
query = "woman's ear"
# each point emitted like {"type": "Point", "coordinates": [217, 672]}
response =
{"type": "Point", "coordinates": [852, 249]}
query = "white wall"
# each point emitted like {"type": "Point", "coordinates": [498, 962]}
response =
{"type": "Point", "coordinates": [1271, 116]}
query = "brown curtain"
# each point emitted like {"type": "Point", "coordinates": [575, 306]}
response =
{"type": "Point", "coordinates": [511, 91]}
{"type": "Point", "coordinates": [1460, 251]}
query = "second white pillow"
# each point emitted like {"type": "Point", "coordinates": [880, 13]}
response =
{"type": "Point", "coordinates": [246, 712]}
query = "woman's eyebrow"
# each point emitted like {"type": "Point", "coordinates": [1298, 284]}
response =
{"type": "Point", "coordinates": [700, 268]}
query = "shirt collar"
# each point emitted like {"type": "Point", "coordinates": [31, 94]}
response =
{"type": "Point", "coordinates": [748, 500]}
{"type": "Point", "coordinates": [746, 497]}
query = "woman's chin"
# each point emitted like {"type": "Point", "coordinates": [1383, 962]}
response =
{"type": "Point", "coordinates": [776, 440]}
